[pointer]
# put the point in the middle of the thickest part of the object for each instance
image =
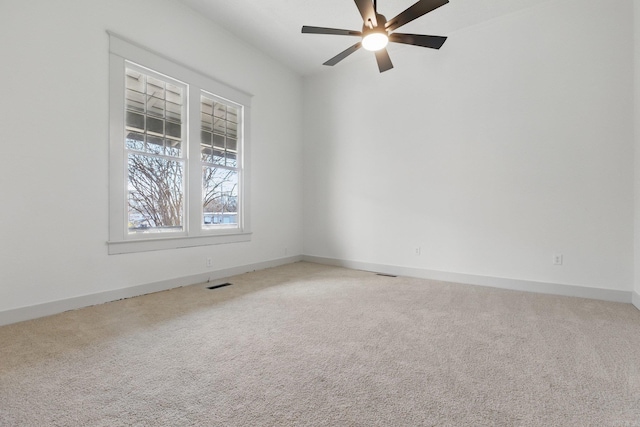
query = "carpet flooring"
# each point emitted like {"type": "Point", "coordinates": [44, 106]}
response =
{"type": "Point", "coordinates": [313, 345]}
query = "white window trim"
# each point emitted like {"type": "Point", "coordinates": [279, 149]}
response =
{"type": "Point", "coordinates": [120, 241]}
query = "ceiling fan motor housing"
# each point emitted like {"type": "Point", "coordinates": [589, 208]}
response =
{"type": "Point", "coordinates": [368, 27]}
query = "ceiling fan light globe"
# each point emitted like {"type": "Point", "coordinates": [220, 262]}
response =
{"type": "Point", "coordinates": [375, 41]}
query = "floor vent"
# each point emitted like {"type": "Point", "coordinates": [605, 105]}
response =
{"type": "Point", "coordinates": [219, 286]}
{"type": "Point", "coordinates": [386, 275]}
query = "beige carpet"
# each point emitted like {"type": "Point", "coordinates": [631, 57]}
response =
{"type": "Point", "coordinates": [311, 345]}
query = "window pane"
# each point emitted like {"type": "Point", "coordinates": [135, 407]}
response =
{"type": "Point", "coordinates": [220, 197]}
{"type": "Point", "coordinates": [232, 160]}
{"type": "Point", "coordinates": [207, 121]}
{"type": "Point", "coordinates": [174, 130]}
{"type": "Point", "coordinates": [155, 107]}
{"type": "Point", "coordinates": [232, 145]}
{"type": "Point", "coordinates": [218, 141]}
{"type": "Point", "coordinates": [135, 121]}
{"type": "Point", "coordinates": [206, 105]}
{"type": "Point", "coordinates": [155, 126]}
{"type": "Point", "coordinates": [155, 145]}
{"type": "Point", "coordinates": [155, 189]}
{"type": "Point", "coordinates": [220, 110]}
{"type": "Point", "coordinates": [173, 148]}
{"type": "Point", "coordinates": [134, 101]}
{"type": "Point", "coordinates": [232, 114]}
{"type": "Point", "coordinates": [174, 111]}
{"type": "Point", "coordinates": [135, 141]}
{"type": "Point", "coordinates": [219, 126]}
{"type": "Point", "coordinates": [232, 129]}
{"type": "Point", "coordinates": [205, 138]}
{"type": "Point", "coordinates": [135, 80]}
{"type": "Point", "coordinates": [218, 157]}
{"type": "Point", "coordinates": [231, 152]}
{"type": "Point", "coordinates": [206, 154]}
{"type": "Point", "coordinates": [155, 87]}
{"type": "Point", "coordinates": [174, 94]}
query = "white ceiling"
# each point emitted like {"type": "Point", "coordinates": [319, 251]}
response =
{"type": "Point", "coordinates": [274, 26]}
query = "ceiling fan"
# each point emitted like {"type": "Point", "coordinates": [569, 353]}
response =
{"type": "Point", "coordinates": [377, 31]}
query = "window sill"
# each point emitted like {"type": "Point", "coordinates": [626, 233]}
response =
{"type": "Point", "coordinates": [164, 243]}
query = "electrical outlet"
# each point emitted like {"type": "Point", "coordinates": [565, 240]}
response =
{"type": "Point", "coordinates": [557, 259]}
{"type": "Point", "coordinates": [209, 262]}
{"type": "Point", "coordinates": [286, 251]}
{"type": "Point", "coordinates": [418, 250]}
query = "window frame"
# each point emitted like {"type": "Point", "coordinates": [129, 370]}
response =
{"type": "Point", "coordinates": [194, 233]}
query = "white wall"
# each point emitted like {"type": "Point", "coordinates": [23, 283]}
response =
{"type": "Point", "coordinates": [512, 143]}
{"type": "Point", "coordinates": [54, 174]}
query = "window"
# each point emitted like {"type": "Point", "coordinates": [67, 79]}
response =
{"type": "Point", "coordinates": [154, 136]}
{"type": "Point", "coordinates": [219, 150]}
{"type": "Point", "coordinates": [178, 155]}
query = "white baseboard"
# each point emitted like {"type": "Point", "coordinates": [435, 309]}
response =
{"type": "Point", "coordinates": [55, 307]}
{"type": "Point", "coordinates": [635, 300]}
{"type": "Point", "coordinates": [494, 282]}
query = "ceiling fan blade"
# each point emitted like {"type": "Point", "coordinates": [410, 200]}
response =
{"type": "Point", "coordinates": [367, 11]}
{"type": "Point", "coordinates": [434, 42]}
{"type": "Point", "coordinates": [336, 31]}
{"type": "Point", "coordinates": [413, 12]}
{"type": "Point", "coordinates": [384, 62]}
{"type": "Point", "coordinates": [339, 57]}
